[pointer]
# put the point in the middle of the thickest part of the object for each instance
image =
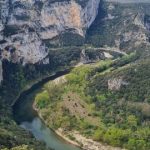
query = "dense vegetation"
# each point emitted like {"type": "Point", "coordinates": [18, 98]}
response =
{"type": "Point", "coordinates": [117, 117]}
{"type": "Point", "coordinates": [16, 79]}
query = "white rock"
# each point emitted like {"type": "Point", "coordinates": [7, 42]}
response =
{"type": "Point", "coordinates": [46, 23]}
{"type": "Point", "coordinates": [107, 55]}
{"type": "Point", "coordinates": [114, 84]}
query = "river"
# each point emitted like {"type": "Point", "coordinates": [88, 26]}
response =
{"type": "Point", "coordinates": [28, 118]}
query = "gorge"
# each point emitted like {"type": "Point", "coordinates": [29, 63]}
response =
{"type": "Point", "coordinates": [106, 99]}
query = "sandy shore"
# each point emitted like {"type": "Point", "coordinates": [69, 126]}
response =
{"type": "Point", "coordinates": [83, 142]}
{"type": "Point", "coordinates": [60, 132]}
{"type": "Point", "coordinates": [78, 139]}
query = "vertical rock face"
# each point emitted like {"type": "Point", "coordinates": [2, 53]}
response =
{"type": "Point", "coordinates": [147, 22]}
{"type": "Point", "coordinates": [124, 26]}
{"type": "Point", "coordinates": [1, 72]}
{"type": "Point", "coordinates": [90, 12]}
{"type": "Point", "coordinates": [25, 24]}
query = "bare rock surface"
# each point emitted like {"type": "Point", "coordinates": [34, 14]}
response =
{"type": "Point", "coordinates": [25, 24]}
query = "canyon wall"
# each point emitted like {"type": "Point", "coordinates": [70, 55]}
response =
{"type": "Point", "coordinates": [1, 72]}
{"type": "Point", "coordinates": [26, 24]}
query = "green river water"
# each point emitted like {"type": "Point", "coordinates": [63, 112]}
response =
{"type": "Point", "coordinates": [27, 117]}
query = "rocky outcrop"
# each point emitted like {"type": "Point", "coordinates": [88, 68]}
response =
{"type": "Point", "coordinates": [114, 84]}
{"type": "Point", "coordinates": [129, 1]}
{"type": "Point", "coordinates": [1, 72]}
{"type": "Point", "coordinates": [83, 57]}
{"type": "Point", "coordinates": [26, 24]}
{"type": "Point", "coordinates": [147, 23]}
{"type": "Point", "coordinates": [61, 16]}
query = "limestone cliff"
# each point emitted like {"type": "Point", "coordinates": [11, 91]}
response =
{"type": "Point", "coordinates": [26, 24]}
{"type": "Point", "coordinates": [1, 72]}
{"type": "Point", "coordinates": [123, 26]}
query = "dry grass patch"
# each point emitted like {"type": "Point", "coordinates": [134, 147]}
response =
{"type": "Point", "coordinates": [79, 108]}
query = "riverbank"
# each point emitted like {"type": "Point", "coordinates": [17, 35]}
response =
{"type": "Point", "coordinates": [76, 139]}
{"type": "Point", "coordinates": [83, 142]}
{"type": "Point", "coordinates": [72, 136]}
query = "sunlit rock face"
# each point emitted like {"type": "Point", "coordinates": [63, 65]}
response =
{"type": "Point", "coordinates": [25, 24]}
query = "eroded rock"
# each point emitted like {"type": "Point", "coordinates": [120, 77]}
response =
{"type": "Point", "coordinates": [1, 72]}
{"type": "Point", "coordinates": [25, 24]}
{"type": "Point", "coordinates": [114, 84]}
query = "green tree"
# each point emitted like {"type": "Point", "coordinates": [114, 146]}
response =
{"type": "Point", "coordinates": [132, 121]}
